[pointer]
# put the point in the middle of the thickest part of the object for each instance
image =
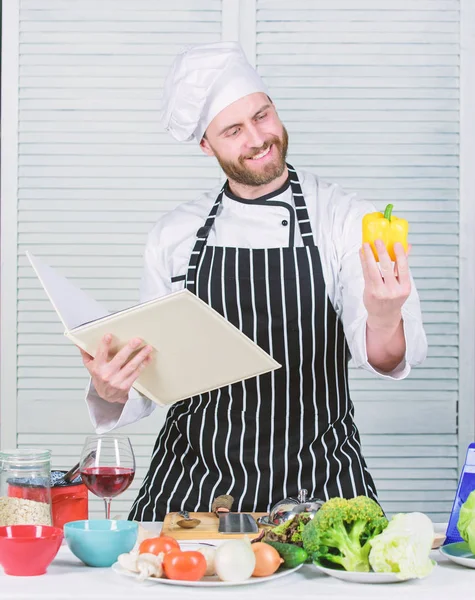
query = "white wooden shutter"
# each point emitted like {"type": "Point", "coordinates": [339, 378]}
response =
{"type": "Point", "coordinates": [369, 92]}
{"type": "Point", "coordinates": [96, 169]}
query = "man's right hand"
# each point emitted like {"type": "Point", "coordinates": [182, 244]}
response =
{"type": "Point", "coordinates": [113, 377]}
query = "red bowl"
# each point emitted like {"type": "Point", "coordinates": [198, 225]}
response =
{"type": "Point", "coordinates": [28, 549]}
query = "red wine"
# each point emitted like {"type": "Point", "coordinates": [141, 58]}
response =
{"type": "Point", "coordinates": [107, 482]}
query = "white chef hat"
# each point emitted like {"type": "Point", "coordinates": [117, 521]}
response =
{"type": "Point", "coordinates": [202, 81]}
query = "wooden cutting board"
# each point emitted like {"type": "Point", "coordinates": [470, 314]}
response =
{"type": "Point", "coordinates": [206, 530]}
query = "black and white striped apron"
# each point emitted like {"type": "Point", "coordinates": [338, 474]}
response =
{"type": "Point", "coordinates": [266, 438]}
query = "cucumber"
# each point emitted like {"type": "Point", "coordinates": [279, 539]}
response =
{"type": "Point", "coordinates": [293, 555]}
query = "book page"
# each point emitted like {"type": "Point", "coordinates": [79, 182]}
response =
{"type": "Point", "coordinates": [74, 307]}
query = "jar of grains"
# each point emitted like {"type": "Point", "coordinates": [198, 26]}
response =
{"type": "Point", "coordinates": [25, 487]}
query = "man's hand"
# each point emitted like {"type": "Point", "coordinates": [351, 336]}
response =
{"type": "Point", "coordinates": [386, 289]}
{"type": "Point", "coordinates": [113, 377]}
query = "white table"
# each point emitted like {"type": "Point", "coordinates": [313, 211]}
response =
{"type": "Point", "coordinates": [68, 578]}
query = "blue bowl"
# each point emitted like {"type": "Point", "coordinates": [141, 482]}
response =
{"type": "Point", "coordinates": [98, 543]}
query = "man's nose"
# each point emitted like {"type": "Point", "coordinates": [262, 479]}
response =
{"type": "Point", "coordinates": [255, 138]}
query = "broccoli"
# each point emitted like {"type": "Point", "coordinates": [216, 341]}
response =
{"type": "Point", "coordinates": [339, 533]}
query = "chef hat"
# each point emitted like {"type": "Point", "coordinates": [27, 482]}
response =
{"type": "Point", "coordinates": [202, 81]}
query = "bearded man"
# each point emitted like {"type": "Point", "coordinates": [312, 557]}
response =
{"type": "Point", "coordinates": [277, 251]}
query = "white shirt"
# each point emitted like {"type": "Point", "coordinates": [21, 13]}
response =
{"type": "Point", "coordinates": [336, 220]}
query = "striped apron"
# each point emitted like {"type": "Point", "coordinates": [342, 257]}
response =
{"type": "Point", "coordinates": [265, 438]}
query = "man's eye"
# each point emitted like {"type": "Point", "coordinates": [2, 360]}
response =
{"type": "Point", "coordinates": [233, 132]}
{"type": "Point", "coordinates": [263, 116]}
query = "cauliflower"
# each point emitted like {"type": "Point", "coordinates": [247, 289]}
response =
{"type": "Point", "coordinates": [339, 534]}
{"type": "Point", "coordinates": [404, 547]}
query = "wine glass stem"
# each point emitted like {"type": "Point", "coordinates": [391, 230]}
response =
{"type": "Point", "coordinates": [107, 502]}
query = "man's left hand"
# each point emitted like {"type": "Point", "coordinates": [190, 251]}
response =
{"type": "Point", "coordinates": [387, 287]}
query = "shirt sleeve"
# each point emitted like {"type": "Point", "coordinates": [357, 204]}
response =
{"type": "Point", "coordinates": [155, 282]}
{"type": "Point", "coordinates": [107, 416]}
{"type": "Point", "coordinates": [350, 291]}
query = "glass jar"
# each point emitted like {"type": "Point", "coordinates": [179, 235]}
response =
{"type": "Point", "coordinates": [25, 487]}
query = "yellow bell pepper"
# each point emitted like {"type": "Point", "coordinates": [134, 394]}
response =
{"type": "Point", "coordinates": [385, 227]}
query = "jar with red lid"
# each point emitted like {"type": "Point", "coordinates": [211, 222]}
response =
{"type": "Point", "coordinates": [69, 499]}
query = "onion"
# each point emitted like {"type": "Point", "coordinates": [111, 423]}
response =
{"type": "Point", "coordinates": [268, 560]}
{"type": "Point", "coordinates": [234, 560]}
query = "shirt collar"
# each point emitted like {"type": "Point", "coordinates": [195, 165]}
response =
{"type": "Point", "coordinates": [261, 199]}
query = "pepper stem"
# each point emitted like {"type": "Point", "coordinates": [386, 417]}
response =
{"type": "Point", "coordinates": [387, 212]}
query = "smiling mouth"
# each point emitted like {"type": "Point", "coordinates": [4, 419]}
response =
{"type": "Point", "coordinates": [261, 154]}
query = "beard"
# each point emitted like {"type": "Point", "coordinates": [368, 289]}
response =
{"type": "Point", "coordinates": [239, 171]}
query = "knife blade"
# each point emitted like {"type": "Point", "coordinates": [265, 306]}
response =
{"type": "Point", "coordinates": [237, 523]}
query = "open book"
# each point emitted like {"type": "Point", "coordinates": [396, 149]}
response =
{"type": "Point", "coordinates": [196, 350]}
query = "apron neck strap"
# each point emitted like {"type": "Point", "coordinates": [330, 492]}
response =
{"type": "Point", "coordinates": [300, 208]}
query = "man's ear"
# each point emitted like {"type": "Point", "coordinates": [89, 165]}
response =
{"type": "Point", "coordinates": [205, 147]}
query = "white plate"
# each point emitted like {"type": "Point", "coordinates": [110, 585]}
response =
{"type": "Point", "coordinates": [459, 553]}
{"type": "Point", "coordinates": [357, 577]}
{"type": "Point", "coordinates": [206, 581]}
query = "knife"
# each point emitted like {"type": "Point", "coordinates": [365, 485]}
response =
{"type": "Point", "coordinates": [237, 523]}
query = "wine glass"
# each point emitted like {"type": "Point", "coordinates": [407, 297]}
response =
{"type": "Point", "coordinates": [107, 466]}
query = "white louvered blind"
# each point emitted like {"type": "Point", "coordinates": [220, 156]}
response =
{"type": "Point", "coordinates": [96, 169]}
{"type": "Point", "coordinates": [369, 92]}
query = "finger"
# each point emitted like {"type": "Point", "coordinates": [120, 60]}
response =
{"type": "Point", "coordinates": [86, 358]}
{"type": "Point", "coordinates": [135, 362]}
{"type": "Point", "coordinates": [372, 270]}
{"type": "Point", "coordinates": [102, 354]}
{"type": "Point", "coordinates": [402, 265]}
{"type": "Point", "coordinates": [396, 270]}
{"type": "Point", "coordinates": [127, 383]}
{"type": "Point", "coordinates": [386, 265]}
{"type": "Point", "coordinates": [123, 355]}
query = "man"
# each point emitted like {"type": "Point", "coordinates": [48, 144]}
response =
{"type": "Point", "coordinates": [278, 252]}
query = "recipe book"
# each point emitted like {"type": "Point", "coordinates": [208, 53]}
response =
{"type": "Point", "coordinates": [195, 349]}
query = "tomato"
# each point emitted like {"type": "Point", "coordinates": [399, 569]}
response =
{"type": "Point", "coordinates": [158, 544]}
{"type": "Point", "coordinates": [185, 566]}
